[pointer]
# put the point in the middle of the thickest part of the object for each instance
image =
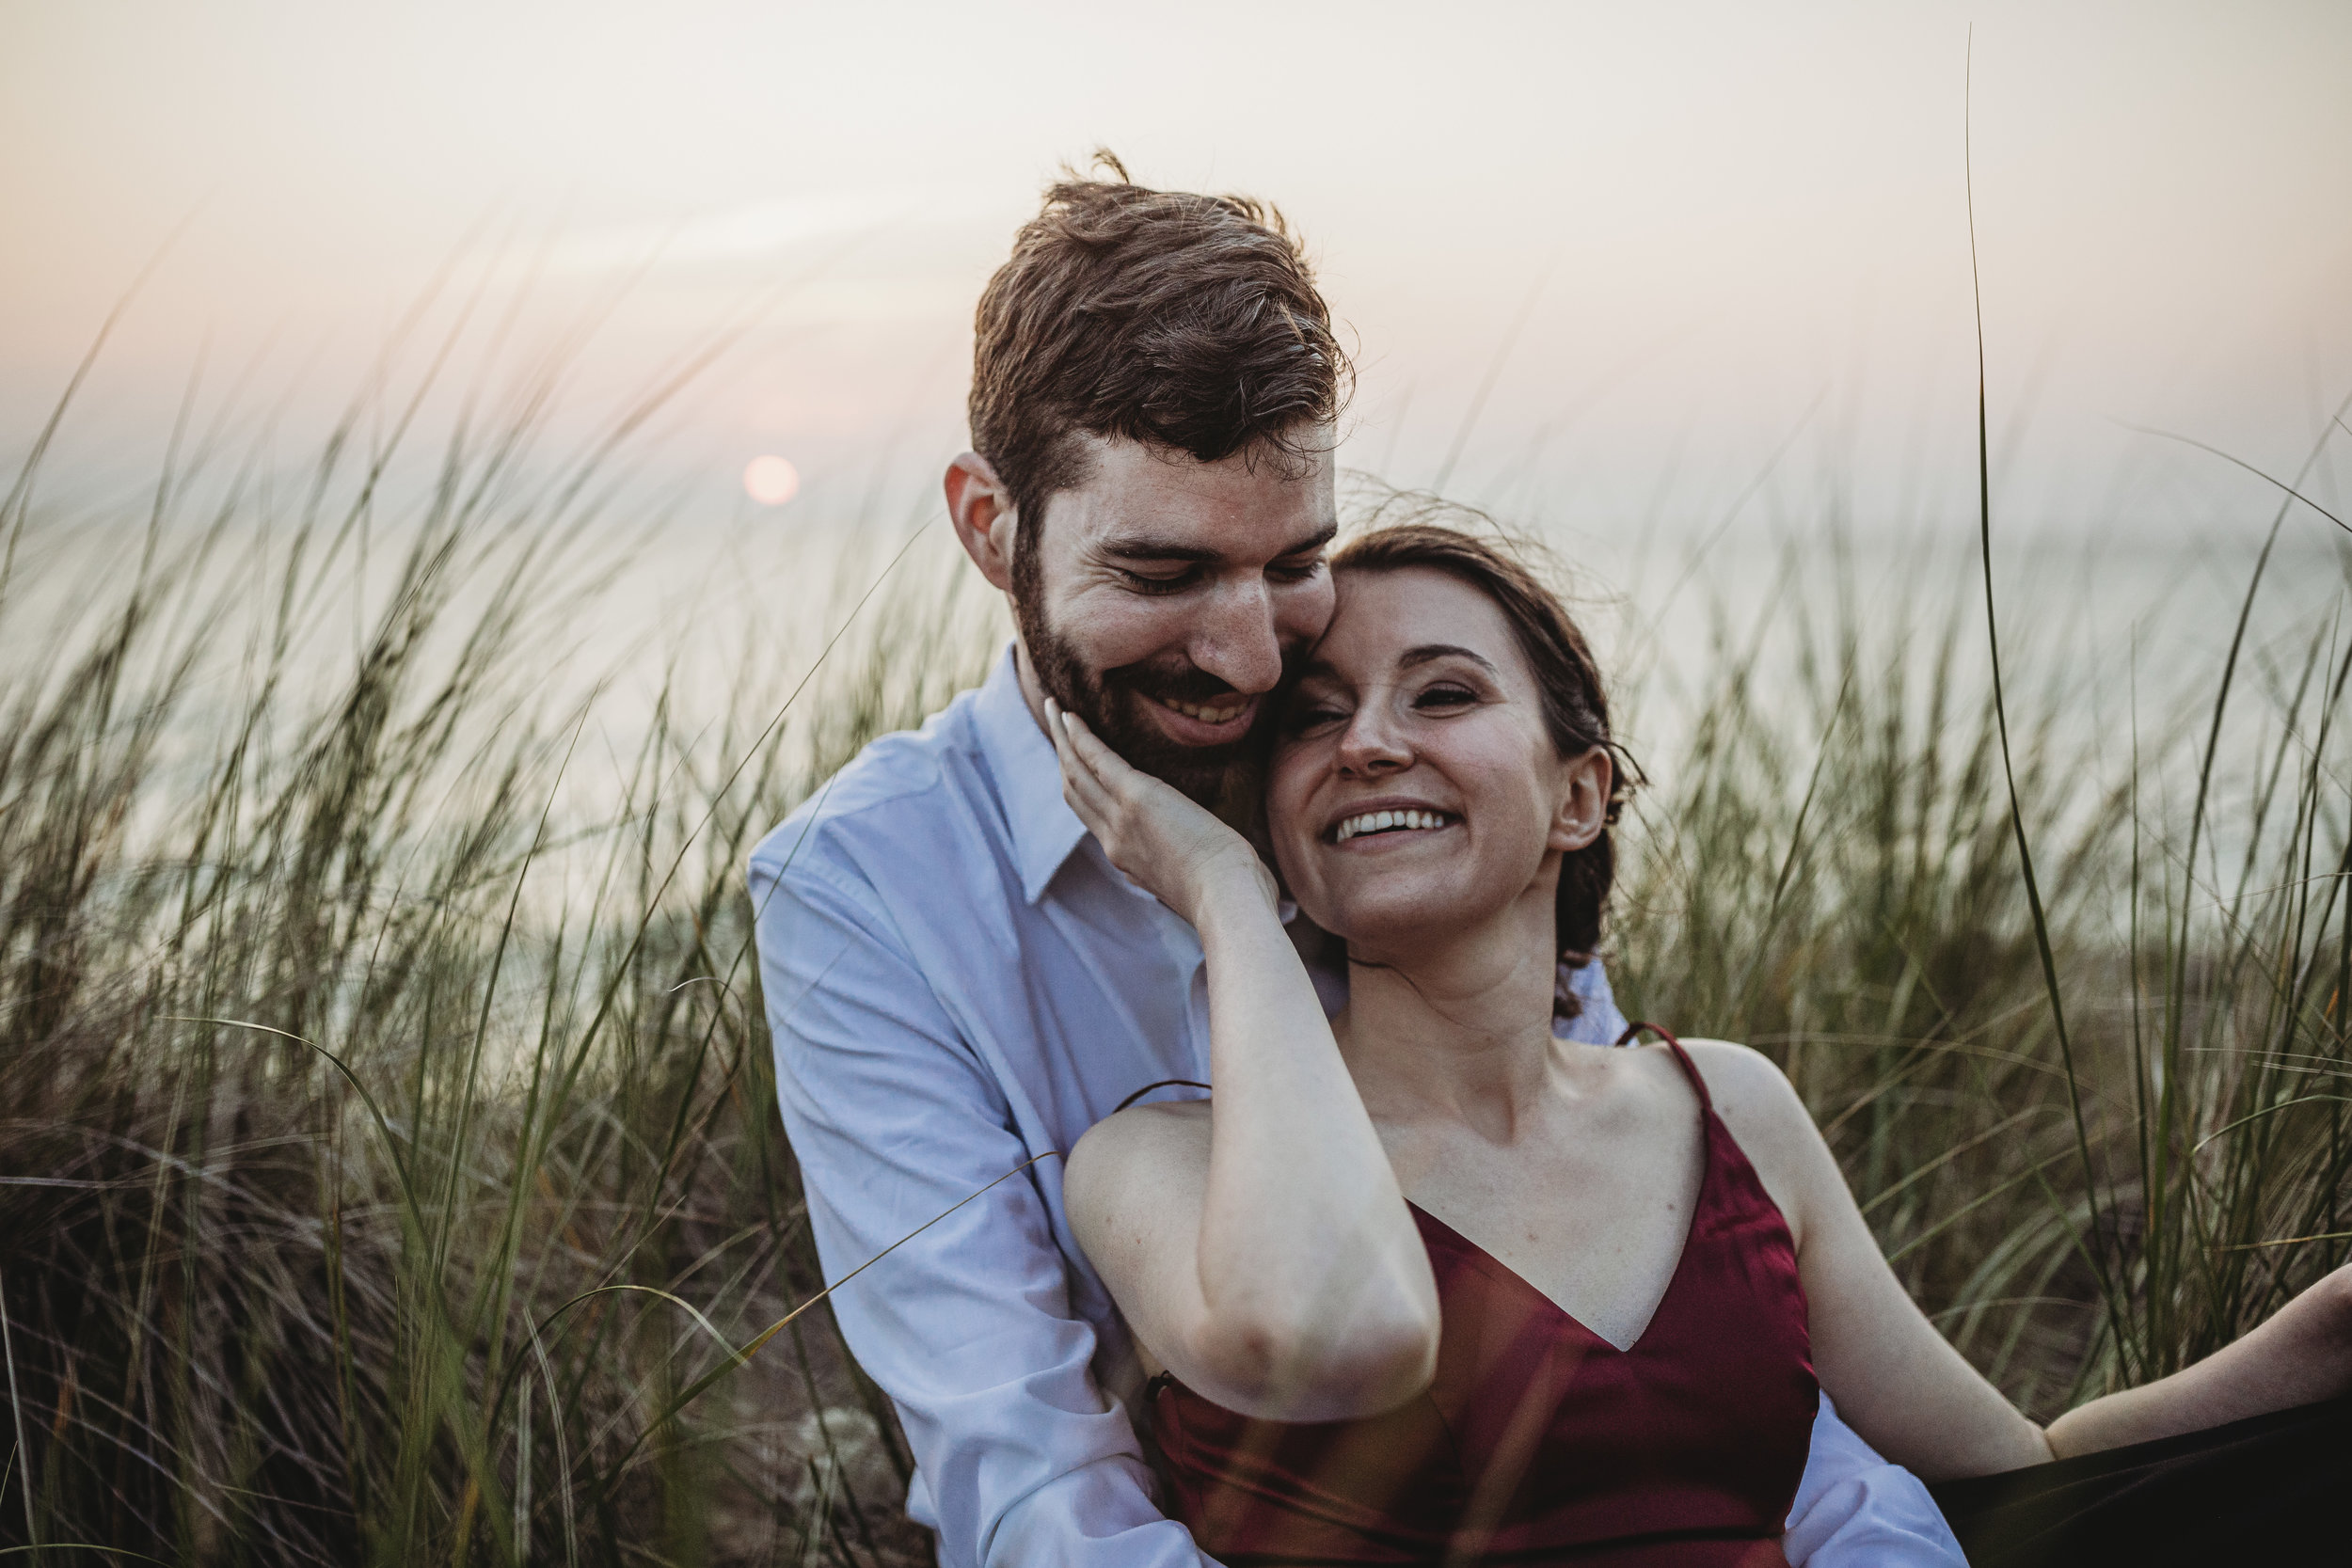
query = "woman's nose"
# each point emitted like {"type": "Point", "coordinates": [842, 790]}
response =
{"type": "Point", "coordinates": [1372, 745]}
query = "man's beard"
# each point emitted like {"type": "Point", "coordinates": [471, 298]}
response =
{"type": "Point", "coordinates": [1112, 703]}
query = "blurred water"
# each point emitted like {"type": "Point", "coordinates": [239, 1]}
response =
{"type": "Point", "coordinates": [717, 613]}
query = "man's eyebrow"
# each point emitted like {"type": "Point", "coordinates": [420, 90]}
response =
{"type": "Point", "coordinates": [1316, 541]}
{"type": "Point", "coordinates": [1145, 547]}
{"type": "Point", "coordinates": [1428, 651]}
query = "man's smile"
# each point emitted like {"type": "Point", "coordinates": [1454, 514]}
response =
{"type": "Point", "coordinates": [1224, 713]}
{"type": "Point", "coordinates": [1216, 723]}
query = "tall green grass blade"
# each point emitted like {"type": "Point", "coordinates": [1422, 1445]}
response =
{"type": "Point", "coordinates": [2095, 1250]}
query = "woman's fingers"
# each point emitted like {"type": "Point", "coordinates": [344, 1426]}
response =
{"type": "Point", "coordinates": [1086, 792]}
{"type": "Point", "coordinates": [1099, 759]}
{"type": "Point", "coordinates": [1123, 784]}
{"type": "Point", "coordinates": [1057, 737]}
{"type": "Point", "coordinates": [1104, 767]}
{"type": "Point", "coordinates": [1149, 831]}
{"type": "Point", "coordinates": [1075, 764]}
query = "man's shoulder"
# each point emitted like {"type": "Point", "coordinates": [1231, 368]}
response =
{"type": "Point", "coordinates": [907, 797]}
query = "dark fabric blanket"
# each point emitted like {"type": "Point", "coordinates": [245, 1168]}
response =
{"type": "Point", "coordinates": [2274, 1489]}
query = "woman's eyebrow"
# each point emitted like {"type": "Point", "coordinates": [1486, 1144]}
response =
{"type": "Point", "coordinates": [1428, 651]}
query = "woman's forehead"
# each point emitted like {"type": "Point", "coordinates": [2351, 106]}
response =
{"type": "Point", "coordinates": [1383, 614]}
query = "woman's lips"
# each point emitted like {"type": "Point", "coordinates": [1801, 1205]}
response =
{"type": "Point", "coordinates": [1379, 827]}
{"type": "Point", "coordinates": [1400, 821]}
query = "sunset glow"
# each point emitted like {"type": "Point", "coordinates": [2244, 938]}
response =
{"type": "Point", "coordinates": [771, 480]}
{"type": "Point", "coordinates": [1602, 271]}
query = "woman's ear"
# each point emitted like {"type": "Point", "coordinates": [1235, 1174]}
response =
{"type": "Point", "coordinates": [1583, 809]}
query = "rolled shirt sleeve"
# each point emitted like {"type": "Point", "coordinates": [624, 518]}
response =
{"type": "Point", "coordinates": [967, 1324]}
{"type": "Point", "coordinates": [1854, 1510]}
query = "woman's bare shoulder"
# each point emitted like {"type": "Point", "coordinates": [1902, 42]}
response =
{"type": "Point", "coordinates": [1743, 1082]}
{"type": "Point", "coordinates": [1144, 1134]}
{"type": "Point", "coordinates": [1764, 1114]}
{"type": "Point", "coordinates": [1742, 1079]}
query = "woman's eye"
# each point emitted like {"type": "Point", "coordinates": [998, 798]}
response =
{"type": "Point", "coordinates": [1314, 716]}
{"type": "Point", "coordinates": [1442, 697]}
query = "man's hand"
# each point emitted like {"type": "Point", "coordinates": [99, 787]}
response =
{"type": "Point", "coordinates": [1171, 847]}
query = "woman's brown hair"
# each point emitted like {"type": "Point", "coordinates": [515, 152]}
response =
{"type": "Point", "coordinates": [1575, 705]}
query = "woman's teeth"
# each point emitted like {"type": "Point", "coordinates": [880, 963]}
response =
{"type": "Point", "coordinates": [1382, 821]}
{"type": "Point", "coordinates": [1208, 715]}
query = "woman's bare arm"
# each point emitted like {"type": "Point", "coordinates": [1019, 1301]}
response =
{"type": "Point", "coordinates": [1904, 1386]}
{"type": "Point", "coordinates": [1896, 1380]}
{"type": "Point", "coordinates": [2301, 1356]}
{"type": "Point", "coordinates": [1261, 1248]}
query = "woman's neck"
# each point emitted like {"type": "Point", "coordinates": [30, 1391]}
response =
{"type": "Point", "coordinates": [1459, 1027]}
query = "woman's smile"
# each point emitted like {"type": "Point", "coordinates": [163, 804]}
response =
{"type": "Point", "coordinates": [1375, 824]}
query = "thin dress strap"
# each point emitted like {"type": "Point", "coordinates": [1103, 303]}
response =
{"type": "Point", "coordinates": [1163, 1084]}
{"type": "Point", "coordinates": [1690, 1067]}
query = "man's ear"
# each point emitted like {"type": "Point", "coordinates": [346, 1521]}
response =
{"type": "Point", "coordinates": [1584, 802]}
{"type": "Point", "coordinates": [981, 509]}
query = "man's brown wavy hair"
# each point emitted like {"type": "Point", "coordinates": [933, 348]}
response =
{"type": "Point", "coordinates": [1189, 323]}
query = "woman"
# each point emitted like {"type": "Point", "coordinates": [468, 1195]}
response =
{"type": "Point", "coordinates": [1430, 1284]}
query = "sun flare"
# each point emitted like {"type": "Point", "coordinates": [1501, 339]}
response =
{"type": "Point", "coordinates": [771, 480]}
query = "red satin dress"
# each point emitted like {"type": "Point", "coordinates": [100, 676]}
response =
{"type": "Point", "coordinates": [1538, 1441]}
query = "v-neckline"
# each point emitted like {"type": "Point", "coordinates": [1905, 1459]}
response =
{"type": "Point", "coordinates": [1674, 1281]}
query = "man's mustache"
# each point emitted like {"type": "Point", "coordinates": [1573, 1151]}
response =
{"type": "Point", "coordinates": [1191, 684]}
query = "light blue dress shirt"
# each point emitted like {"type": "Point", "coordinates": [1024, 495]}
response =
{"type": "Point", "coordinates": [959, 984]}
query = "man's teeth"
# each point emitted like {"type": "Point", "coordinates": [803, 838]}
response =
{"type": "Point", "coordinates": [1381, 821]}
{"type": "Point", "coordinates": [1208, 715]}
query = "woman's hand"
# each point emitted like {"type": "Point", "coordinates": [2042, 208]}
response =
{"type": "Point", "coordinates": [1263, 1251]}
{"type": "Point", "coordinates": [2301, 1356]}
{"type": "Point", "coordinates": [1173, 847]}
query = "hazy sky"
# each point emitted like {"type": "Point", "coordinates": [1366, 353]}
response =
{"type": "Point", "coordinates": [1725, 228]}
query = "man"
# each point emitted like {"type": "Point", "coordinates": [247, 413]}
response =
{"type": "Point", "coordinates": [959, 984]}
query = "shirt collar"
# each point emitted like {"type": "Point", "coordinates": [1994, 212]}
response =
{"type": "Point", "coordinates": [1029, 778]}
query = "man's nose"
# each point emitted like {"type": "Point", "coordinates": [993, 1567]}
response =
{"type": "Point", "coordinates": [1235, 638]}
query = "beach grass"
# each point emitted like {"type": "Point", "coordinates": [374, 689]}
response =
{"type": "Point", "coordinates": [388, 1164]}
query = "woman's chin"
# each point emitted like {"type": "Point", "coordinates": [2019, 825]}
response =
{"type": "Point", "coordinates": [1400, 936]}
{"type": "Point", "coordinates": [1403, 926]}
